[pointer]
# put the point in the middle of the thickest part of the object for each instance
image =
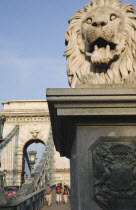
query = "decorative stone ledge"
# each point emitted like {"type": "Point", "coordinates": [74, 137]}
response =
{"type": "Point", "coordinates": [71, 107]}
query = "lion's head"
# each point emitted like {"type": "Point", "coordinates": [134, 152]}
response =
{"type": "Point", "coordinates": [101, 41]}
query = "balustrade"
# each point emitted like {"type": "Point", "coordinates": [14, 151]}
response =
{"type": "Point", "coordinates": [34, 201]}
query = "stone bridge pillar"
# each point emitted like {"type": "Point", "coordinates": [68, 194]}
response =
{"type": "Point", "coordinates": [96, 129]}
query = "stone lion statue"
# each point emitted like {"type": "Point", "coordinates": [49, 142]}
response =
{"type": "Point", "coordinates": [101, 44]}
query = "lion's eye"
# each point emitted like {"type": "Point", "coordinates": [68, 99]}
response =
{"type": "Point", "coordinates": [89, 20]}
{"type": "Point", "coordinates": [112, 17]}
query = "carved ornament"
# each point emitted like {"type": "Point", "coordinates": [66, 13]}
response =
{"type": "Point", "coordinates": [101, 47]}
{"type": "Point", "coordinates": [114, 166]}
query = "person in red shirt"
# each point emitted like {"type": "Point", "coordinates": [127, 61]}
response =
{"type": "Point", "coordinates": [58, 194]}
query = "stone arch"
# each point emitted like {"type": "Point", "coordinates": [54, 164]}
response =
{"type": "Point", "coordinates": [32, 121]}
{"type": "Point", "coordinates": [26, 145]}
{"type": "Point", "coordinates": [29, 142]}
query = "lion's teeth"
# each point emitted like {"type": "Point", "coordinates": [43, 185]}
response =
{"type": "Point", "coordinates": [96, 47]}
{"type": "Point", "coordinates": [108, 47]}
{"type": "Point", "coordinates": [88, 54]}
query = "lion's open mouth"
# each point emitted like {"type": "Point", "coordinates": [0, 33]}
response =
{"type": "Point", "coordinates": [101, 43]}
{"type": "Point", "coordinates": [101, 51]}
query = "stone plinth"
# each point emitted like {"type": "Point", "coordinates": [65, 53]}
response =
{"type": "Point", "coordinates": [96, 129]}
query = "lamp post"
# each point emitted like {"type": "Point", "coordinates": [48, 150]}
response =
{"type": "Point", "coordinates": [32, 161]}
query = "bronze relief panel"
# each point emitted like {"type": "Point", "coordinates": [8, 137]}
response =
{"type": "Point", "coordinates": [114, 173]}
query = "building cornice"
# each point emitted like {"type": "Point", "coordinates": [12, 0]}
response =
{"type": "Point", "coordinates": [24, 113]}
{"type": "Point", "coordinates": [23, 101]}
{"type": "Point", "coordinates": [23, 116]}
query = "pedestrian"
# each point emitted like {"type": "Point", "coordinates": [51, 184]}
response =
{"type": "Point", "coordinates": [48, 192]}
{"type": "Point", "coordinates": [66, 194]}
{"type": "Point", "coordinates": [58, 194]}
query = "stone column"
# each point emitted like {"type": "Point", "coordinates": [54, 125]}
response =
{"type": "Point", "coordinates": [96, 129]}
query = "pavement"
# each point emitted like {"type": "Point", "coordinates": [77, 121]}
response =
{"type": "Point", "coordinates": [55, 206]}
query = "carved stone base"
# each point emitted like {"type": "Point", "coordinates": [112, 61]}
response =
{"type": "Point", "coordinates": [96, 129]}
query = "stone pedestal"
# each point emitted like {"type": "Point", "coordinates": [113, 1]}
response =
{"type": "Point", "coordinates": [96, 129]}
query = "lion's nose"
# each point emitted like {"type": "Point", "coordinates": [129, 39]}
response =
{"type": "Point", "coordinates": [99, 23]}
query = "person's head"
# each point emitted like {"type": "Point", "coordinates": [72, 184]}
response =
{"type": "Point", "coordinates": [48, 185]}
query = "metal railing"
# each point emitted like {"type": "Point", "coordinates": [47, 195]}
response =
{"type": "Point", "coordinates": [34, 201]}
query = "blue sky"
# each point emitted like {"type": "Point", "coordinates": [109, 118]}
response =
{"type": "Point", "coordinates": [32, 46]}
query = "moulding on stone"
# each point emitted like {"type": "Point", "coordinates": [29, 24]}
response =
{"type": "Point", "coordinates": [26, 118]}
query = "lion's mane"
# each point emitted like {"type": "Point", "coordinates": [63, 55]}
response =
{"type": "Point", "coordinates": [79, 68]}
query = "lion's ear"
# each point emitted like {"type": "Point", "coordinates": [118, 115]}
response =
{"type": "Point", "coordinates": [128, 8]}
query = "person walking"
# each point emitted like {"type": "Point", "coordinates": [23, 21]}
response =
{"type": "Point", "coordinates": [58, 194]}
{"type": "Point", "coordinates": [66, 195]}
{"type": "Point", "coordinates": [48, 192]}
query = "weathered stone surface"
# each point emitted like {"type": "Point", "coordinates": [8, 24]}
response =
{"type": "Point", "coordinates": [101, 44]}
{"type": "Point", "coordinates": [94, 193]}
{"type": "Point", "coordinates": [71, 106]}
{"type": "Point", "coordinates": [81, 119]}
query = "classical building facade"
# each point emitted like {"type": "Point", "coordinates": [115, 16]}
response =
{"type": "Point", "coordinates": [27, 122]}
